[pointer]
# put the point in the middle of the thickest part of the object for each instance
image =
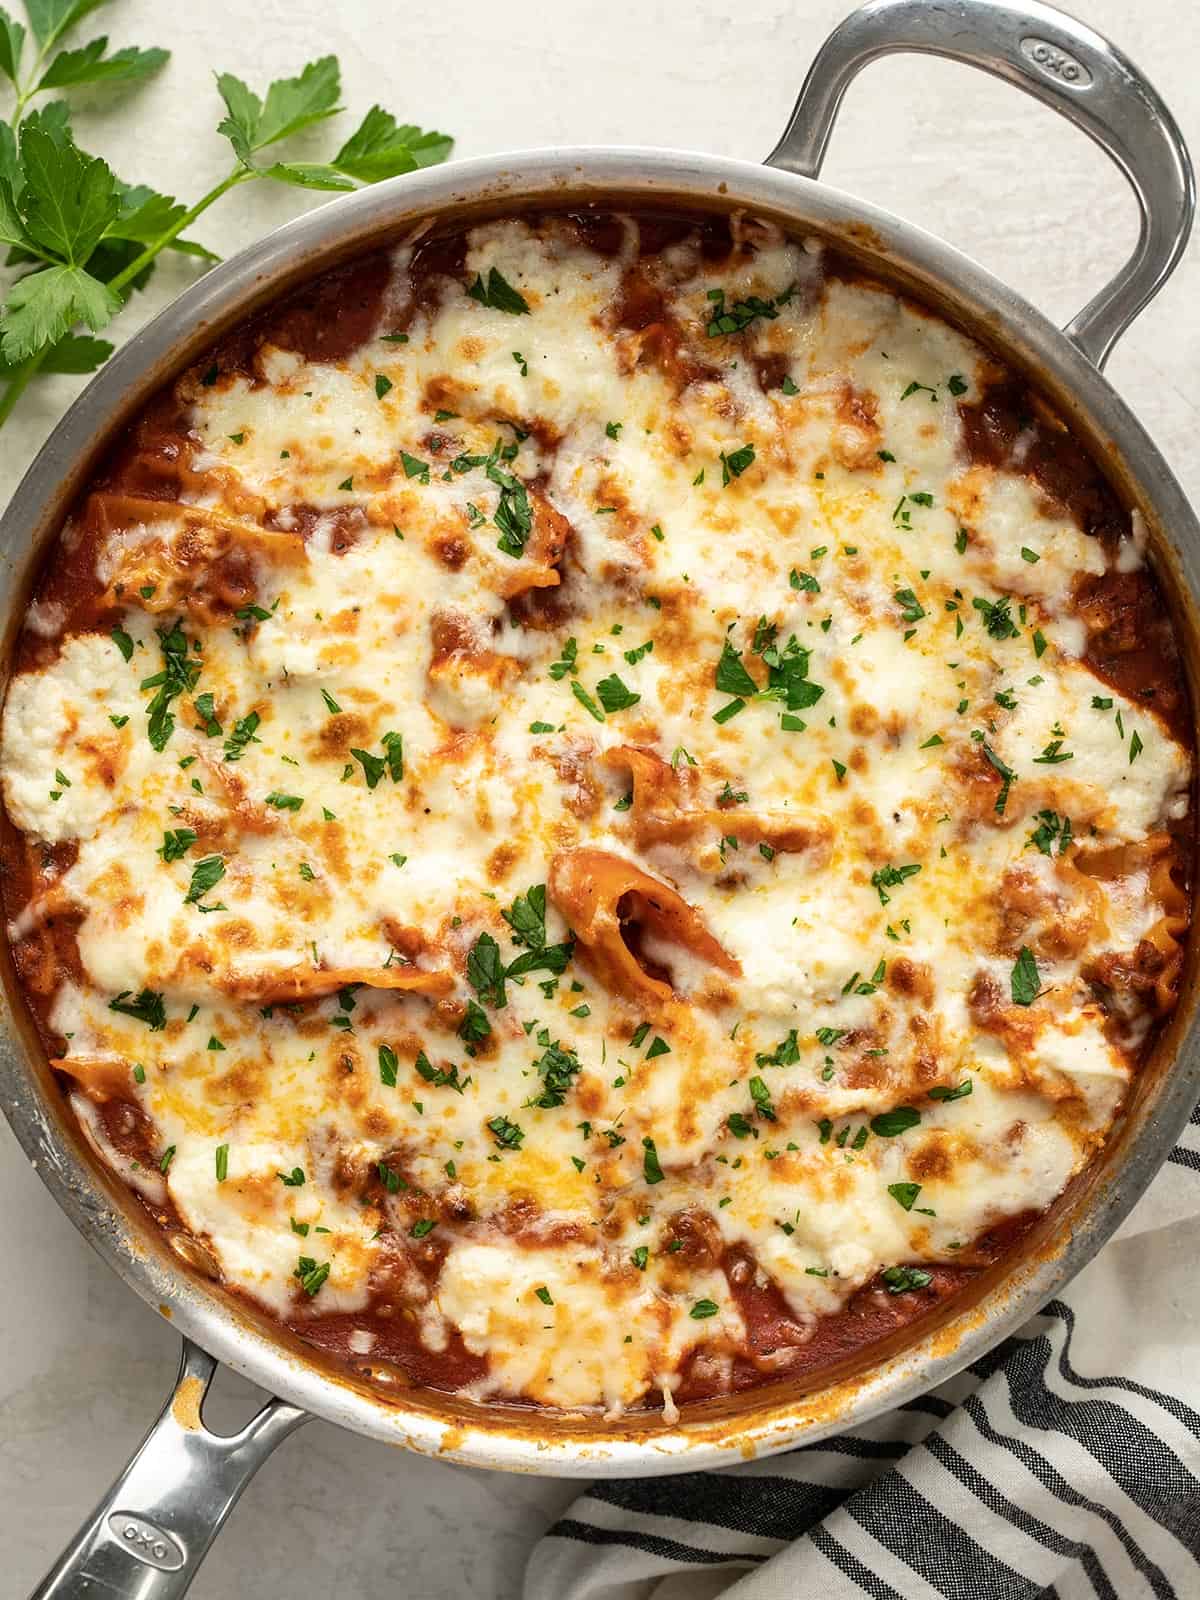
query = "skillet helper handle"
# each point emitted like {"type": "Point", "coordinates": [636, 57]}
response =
{"type": "Point", "coordinates": [147, 1537]}
{"type": "Point", "coordinates": [1066, 65]}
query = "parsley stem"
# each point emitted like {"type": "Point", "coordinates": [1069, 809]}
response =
{"type": "Point", "coordinates": [139, 263]}
{"type": "Point", "coordinates": [19, 379]}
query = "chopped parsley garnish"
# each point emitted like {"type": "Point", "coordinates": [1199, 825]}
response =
{"type": "Point", "coordinates": [440, 1077]}
{"type": "Point", "coordinates": [960, 1092]}
{"type": "Point", "coordinates": [206, 710]}
{"type": "Point", "coordinates": [1007, 776]}
{"type": "Point", "coordinates": [178, 676]}
{"type": "Point", "coordinates": [559, 1066]}
{"type": "Point", "coordinates": [527, 917]}
{"type": "Point", "coordinates": [567, 663]}
{"type": "Point", "coordinates": [735, 463]}
{"type": "Point", "coordinates": [911, 609]}
{"type": "Point", "coordinates": [388, 1064]}
{"type": "Point", "coordinates": [292, 1179]}
{"type": "Point", "coordinates": [508, 1135]}
{"type": "Point", "coordinates": [899, 1280]}
{"type": "Point", "coordinates": [804, 582]}
{"type": "Point", "coordinates": [312, 1274]}
{"type": "Point", "coordinates": [888, 1124]}
{"type": "Point", "coordinates": [904, 1194]}
{"type": "Point", "coordinates": [889, 877]}
{"type": "Point", "coordinates": [731, 677]}
{"type": "Point", "coordinates": [176, 844]}
{"type": "Point", "coordinates": [222, 1162]}
{"type": "Point", "coordinates": [423, 1227]}
{"type": "Point", "coordinates": [205, 875]}
{"type": "Point", "coordinates": [497, 294]}
{"type": "Point", "coordinates": [485, 970]}
{"type": "Point", "coordinates": [785, 1054]}
{"type": "Point", "coordinates": [640, 1256]}
{"type": "Point", "coordinates": [651, 1170]}
{"type": "Point", "coordinates": [738, 316]}
{"type": "Point", "coordinates": [997, 618]}
{"type": "Point", "coordinates": [614, 696]}
{"type": "Point", "coordinates": [146, 1007]}
{"type": "Point", "coordinates": [703, 1309]}
{"type": "Point", "coordinates": [122, 641]}
{"type": "Point", "coordinates": [1054, 754]}
{"type": "Point", "coordinates": [244, 733]}
{"type": "Point", "coordinates": [382, 385]}
{"type": "Point", "coordinates": [1025, 979]}
{"type": "Point", "coordinates": [475, 1025]}
{"type": "Point", "coordinates": [1051, 828]}
{"type": "Point", "coordinates": [586, 701]}
{"type": "Point", "coordinates": [284, 802]}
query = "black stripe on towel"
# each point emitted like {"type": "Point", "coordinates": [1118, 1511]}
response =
{"type": "Point", "coordinates": [869, 1582]}
{"type": "Point", "coordinates": [1000, 1505]}
{"type": "Point", "coordinates": [667, 1549]}
{"type": "Point", "coordinates": [1169, 1402]}
{"type": "Point", "coordinates": [771, 1507]}
{"type": "Point", "coordinates": [1049, 1476]}
{"type": "Point", "coordinates": [898, 1517]}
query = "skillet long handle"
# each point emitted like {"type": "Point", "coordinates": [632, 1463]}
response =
{"type": "Point", "coordinates": [149, 1534]}
{"type": "Point", "coordinates": [1060, 61]}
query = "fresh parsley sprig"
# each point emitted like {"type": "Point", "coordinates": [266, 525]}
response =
{"type": "Point", "coordinates": [82, 239]}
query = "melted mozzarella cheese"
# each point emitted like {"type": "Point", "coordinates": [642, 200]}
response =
{"type": "Point", "coordinates": [401, 751]}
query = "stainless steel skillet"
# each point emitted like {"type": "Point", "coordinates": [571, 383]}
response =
{"type": "Point", "coordinates": [150, 1532]}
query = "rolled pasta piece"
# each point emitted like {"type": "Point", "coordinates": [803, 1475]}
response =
{"type": "Point", "coordinates": [602, 895]}
{"type": "Point", "coordinates": [183, 556]}
{"type": "Point", "coordinates": [666, 810]}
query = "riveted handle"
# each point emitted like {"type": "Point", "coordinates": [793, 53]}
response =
{"type": "Point", "coordinates": [1059, 61]}
{"type": "Point", "coordinates": [149, 1534]}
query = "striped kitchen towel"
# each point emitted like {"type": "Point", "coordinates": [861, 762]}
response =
{"type": "Point", "coordinates": [1065, 1465]}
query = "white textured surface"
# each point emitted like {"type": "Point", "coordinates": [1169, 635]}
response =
{"type": "Point", "coordinates": [85, 1362]}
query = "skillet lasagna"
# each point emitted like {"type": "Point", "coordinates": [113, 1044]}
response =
{"type": "Point", "coordinates": [598, 810]}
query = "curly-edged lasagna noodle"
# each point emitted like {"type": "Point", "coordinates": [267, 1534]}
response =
{"type": "Point", "coordinates": [600, 810]}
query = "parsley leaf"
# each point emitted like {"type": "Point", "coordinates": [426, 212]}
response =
{"type": "Point", "coordinates": [497, 294]}
{"type": "Point", "coordinates": [89, 64]}
{"type": "Point", "coordinates": [888, 1124]}
{"type": "Point", "coordinates": [251, 124]}
{"type": "Point", "coordinates": [1025, 979]}
{"type": "Point", "coordinates": [205, 875]}
{"type": "Point", "coordinates": [614, 696]}
{"type": "Point", "coordinates": [559, 1067]}
{"type": "Point", "coordinates": [889, 877]}
{"type": "Point", "coordinates": [731, 677]}
{"type": "Point", "coordinates": [527, 917]}
{"type": "Point", "coordinates": [485, 971]}
{"type": "Point", "coordinates": [904, 1194]}
{"type": "Point", "coordinates": [146, 1007]}
{"type": "Point", "coordinates": [380, 147]}
{"type": "Point", "coordinates": [652, 1172]}
{"type": "Point", "coordinates": [735, 463]}
{"type": "Point", "coordinates": [508, 1135]}
{"type": "Point", "coordinates": [176, 844]}
{"type": "Point", "coordinates": [244, 733]}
